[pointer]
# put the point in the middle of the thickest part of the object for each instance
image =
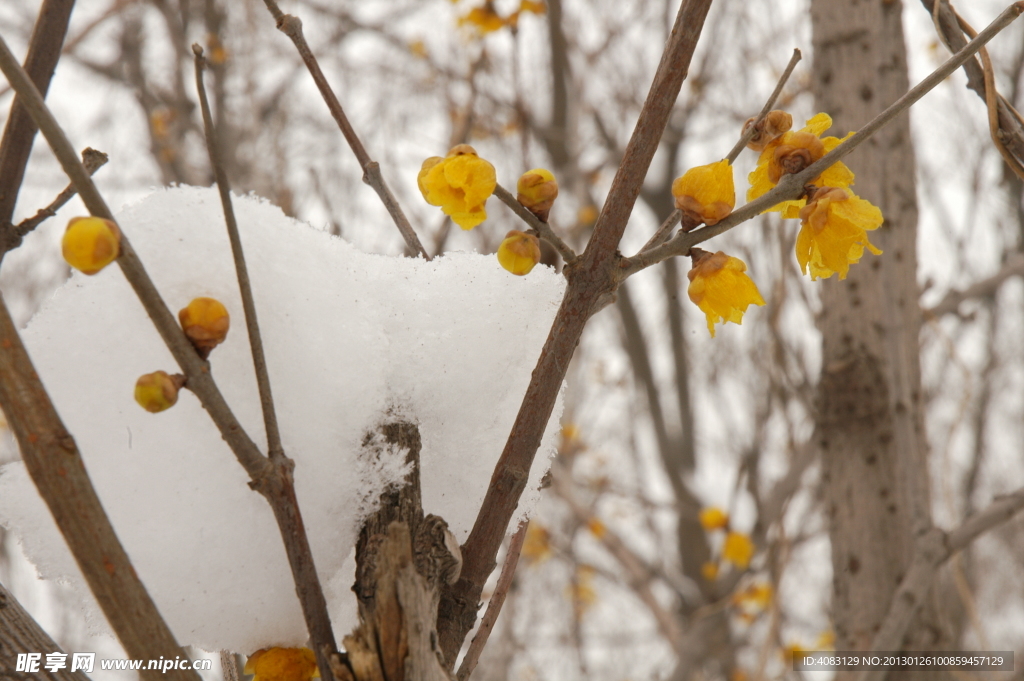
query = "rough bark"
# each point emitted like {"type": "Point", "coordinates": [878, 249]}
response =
{"type": "Point", "coordinates": [19, 633]}
{"type": "Point", "coordinates": [870, 412]}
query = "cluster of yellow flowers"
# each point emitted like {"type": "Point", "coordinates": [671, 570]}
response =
{"type": "Point", "coordinates": [460, 185]}
{"type": "Point", "coordinates": [485, 19]}
{"type": "Point", "coordinates": [282, 664]}
{"type": "Point", "coordinates": [737, 548]}
{"type": "Point", "coordinates": [834, 220]}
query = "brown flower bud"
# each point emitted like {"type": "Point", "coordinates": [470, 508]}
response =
{"type": "Point", "coordinates": [773, 125]}
{"type": "Point", "coordinates": [205, 322]}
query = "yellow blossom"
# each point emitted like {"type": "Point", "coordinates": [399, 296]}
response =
{"type": "Point", "coordinates": [484, 18]}
{"type": "Point", "coordinates": [537, 190]}
{"type": "Point", "coordinates": [519, 252]}
{"type": "Point", "coordinates": [738, 549]}
{"type": "Point", "coordinates": [158, 391]}
{"type": "Point", "coordinates": [833, 232]}
{"type": "Point", "coordinates": [597, 528]}
{"type": "Point", "coordinates": [709, 571]}
{"type": "Point", "coordinates": [706, 193]}
{"type": "Point", "coordinates": [282, 664]}
{"type": "Point", "coordinates": [581, 591]}
{"type": "Point", "coordinates": [537, 545]}
{"type": "Point", "coordinates": [721, 288]}
{"type": "Point", "coordinates": [460, 184]}
{"type": "Point", "coordinates": [205, 321]}
{"type": "Point", "coordinates": [713, 518]}
{"type": "Point", "coordinates": [826, 640]}
{"type": "Point", "coordinates": [756, 596]}
{"type": "Point", "coordinates": [791, 152]}
{"type": "Point", "coordinates": [90, 244]}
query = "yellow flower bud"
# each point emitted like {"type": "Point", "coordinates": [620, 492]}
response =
{"type": "Point", "coordinates": [90, 244]}
{"type": "Point", "coordinates": [706, 193]}
{"type": "Point", "coordinates": [460, 184]}
{"type": "Point", "coordinates": [713, 518]}
{"type": "Point", "coordinates": [709, 571]}
{"type": "Point", "coordinates": [537, 190]}
{"type": "Point", "coordinates": [205, 322]}
{"type": "Point", "coordinates": [519, 252]}
{"type": "Point", "coordinates": [738, 549]}
{"type": "Point", "coordinates": [282, 664]}
{"type": "Point", "coordinates": [158, 391]}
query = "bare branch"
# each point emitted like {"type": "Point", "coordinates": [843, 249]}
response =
{"type": "Point", "coordinates": [56, 467]}
{"type": "Point", "coordinates": [542, 228]}
{"type": "Point", "coordinates": [508, 572]}
{"type": "Point", "coordinates": [19, 633]}
{"type": "Point", "coordinates": [292, 27]}
{"type": "Point", "coordinates": [752, 129]}
{"type": "Point", "coordinates": [92, 160]}
{"type": "Point", "coordinates": [1013, 267]}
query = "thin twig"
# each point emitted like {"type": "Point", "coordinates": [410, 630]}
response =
{"type": "Point", "coordinates": [252, 325]}
{"type": "Point", "coordinates": [791, 187]}
{"type": "Point", "coordinates": [292, 27]}
{"type": "Point", "coordinates": [200, 381]}
{"type": "Point", "coordinates": [752, 128]}
{"type": "Point", "coordinates": [542, 228]}
{"type": "Point", "coordinates": [92, 160]}
{"type": "Point", "coordinates": [1013, 267]}
{"type": "Point", "coordinates": [508, 572]}
{"type": "Point", "coordinates": [285, 505]}
{"type": "Point", "coordinates": [664, 230]}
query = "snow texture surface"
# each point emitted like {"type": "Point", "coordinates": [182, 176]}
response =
{"type": "Point", "coordinates": [352, 340]}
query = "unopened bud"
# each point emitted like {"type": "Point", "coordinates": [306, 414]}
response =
{"type": "Point", "coordinates": [205, 322]}
{"type": "Point", "coordinates": [773, 125]}
{"type": "Point", "coordinates": [90, 244]}
{"type": "Point", "coordinates": [537, 190]}
{"type": "Point", "coordinates": [519, 252]}
{"type": "Point", "coordinates": [158, 391]}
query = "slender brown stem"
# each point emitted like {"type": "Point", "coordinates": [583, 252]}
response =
{"type": "Point", "coordinates": [56, 467]}
{"type": "Point", "coordinates": [92, 160]}
{"type": "Point", "coordinates": [20, 633]}
{"type": "Point", "coordinates": [592, 280]}
{"type": "Point", "coordinates": [752, 128]}
{"type": "Point", "coordinates": [664, 230]}
{"type": "Point", "coordinates": [280, 494]}
{"type": "Point", "coordinates": [792, 186]}
{"type": "Point", "coordinates": [292, 27]}
{"type": "Point", "coordinates": [200, 381]}
{"type": "Point", "coordinates": [542, 228]}
{"type": "Point", "coordinates": [508, 572]}
{"type": "Point", "coordinates": [20, 131]}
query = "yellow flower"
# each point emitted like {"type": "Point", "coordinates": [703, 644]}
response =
{"type": "Point", "coordinates": [537, 545]}
{"type": "Point", "coordinates": [205, 322]}
{"type": "Point", "coordinates": [519, 252]}
{"type": "Point", "coordinates": [90, 244]}
{"type": "Point", "coordinates": [282, 664]}
{"type": "Point", "coordinates": [713, 518]}
{"type": "Point", "coordinates": [706, 193]}
{"type": "Point", "coordinates": [460, 184]}
{"type": "Point", "coordinates": [709, 571]}
{"type": "Point", "coordinates": [833, 233]}
{"type": "Point", "coordinates": [738, 549]}
{"type": "Point", "coordinates": [532, 6]}
{"type": "Point", "coordinates": [581, 590]}
{"type": "Point", "coordinates": [537, 190]}
{"type": "Point", "coordinates": [158, 391]}
{"type": "Point", "coordinates": [756, 596]}
{"type": "Point", "coordinates": [721, 288]}
{"type": "Point", "coordinates": [597, 528]}
{"type": "Point", "coordinates": [484, 18]}
{"type": "Point", "coordinates": [791, 152]}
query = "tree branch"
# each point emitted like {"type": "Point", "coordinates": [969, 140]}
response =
{"type": "Point", "coordinates": [752, 128]}
{"type": "Point", "coordinates": [542, 228]}
{"type": "Point", "coordinates": [1013, 267]}
{"type": "Point", "coordinates": [56, 467]}
{"type": "Point", "coordinates": [292, 27]}
{"type": "Point", "coordinates": [20, 633]}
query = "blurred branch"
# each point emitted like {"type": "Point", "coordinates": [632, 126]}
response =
{"type": "Point", "coordinates": [751, 129]}
{"type": "Point", "coordinates": [592, 280]}
{"type": "Point", "coordinates": [933, 549]}
{"type": "Point", "coordinates": [19, 132]}
{"type": "Point", "coordinates": [542, 228]}
{"type": "Point", "coordinates": [92, 160]}
{"type": "Point", "coordinates": [19, 633]}
{"type": "Point", "coordinates": [792, 186]}
{"type": "Point", "coordinates": [1013, 267]}
{"type": "Point", "coordinates": [292, 27]}
{"type": "Point", "coordinates": [55, 465]}
{"type": "Point", "coordinates": [508, 572]}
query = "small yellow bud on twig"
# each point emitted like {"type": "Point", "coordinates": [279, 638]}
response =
{"type": "Point", "coordinates": [158, 391]}
{"type": "Point", "coordinates": [205, 322]}
{"type": "Point", "coordinates": [90, 244]}
{"type": "Point", "coordinates": [537, 190]}
{"type": "Point", "coordinates": [519, 252]}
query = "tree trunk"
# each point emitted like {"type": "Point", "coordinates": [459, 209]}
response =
{"type": "Point", "coordinates": [870, 421]}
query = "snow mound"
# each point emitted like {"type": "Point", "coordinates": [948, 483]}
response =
{"type": "Point", "coordinates": [352, 340]}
